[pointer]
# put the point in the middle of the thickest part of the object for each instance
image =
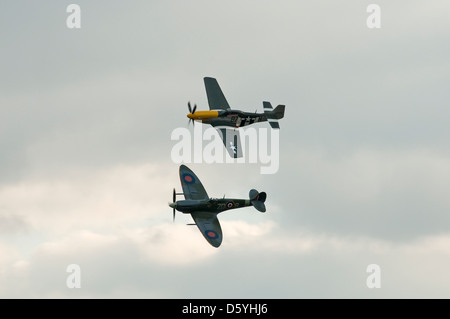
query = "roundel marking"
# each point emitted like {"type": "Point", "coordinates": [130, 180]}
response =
{"type": "Point", "coordinates": [211, 234]}
{"type": "Point", "coordinates": [188, 178]}
{"type": "Point", "coordinates": [230, 204]}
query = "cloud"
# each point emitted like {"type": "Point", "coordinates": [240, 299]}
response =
{"type": "Point", "coordinates": [149, 262]}
{"type": "Point", "coordinates": [12, 224]}
{"type": "Point", "coordinates": [392, 194]}
{"type": "Point", "coordinates": [86, 174]}
{"type": "Point", "coordinates": [99, 199]}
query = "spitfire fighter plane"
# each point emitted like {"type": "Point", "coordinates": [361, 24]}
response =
{"type": "Point", "coordinates": [204, 209]}
{"type": "Point", "coordinates": [227, 120]}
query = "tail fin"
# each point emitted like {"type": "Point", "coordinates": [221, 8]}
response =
{"type": "Point", "coordinates": [273, 115]}
{"type": "Point", "coordinates": [257, 200]}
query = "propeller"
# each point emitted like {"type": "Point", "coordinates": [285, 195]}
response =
{"type": "Point", "coordinates": [174, 198]}
{"type": "Point", "coordinates": [174, 203]}
{"type": "Point", "coordinates": [191, 111]}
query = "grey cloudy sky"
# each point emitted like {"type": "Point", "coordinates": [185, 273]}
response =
{"type": "Point", "coordinates": [86, 117]}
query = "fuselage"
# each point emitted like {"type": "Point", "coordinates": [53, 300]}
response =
{"type": "Point", "coordinates": [212, 205]}
{"type": "Point", "coordinates": [233, 118]}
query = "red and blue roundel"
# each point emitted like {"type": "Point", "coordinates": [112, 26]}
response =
{"type": "Point", "coordinates": [211, 234]}
{"type": "Point", "coordinates": [230, 204]}
{"type": "Point", "coordinates": [188, 178]}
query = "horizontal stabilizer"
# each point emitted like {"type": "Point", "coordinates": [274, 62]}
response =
{"type": "Point", "coordinates": [274, 124]}
{"type": "Point", "coordinates": [259, 206]}
{"type": "Point", "coordinates": [257, 200]}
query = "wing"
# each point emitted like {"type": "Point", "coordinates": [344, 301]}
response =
{"type": "Point", "coordinates": [216, 99]}
{"type": "Point", "coordinates": [192, 187]}
{"type": "Point", "coordinates": [231, 140]}
{"type": "Point", "coordinates": [209, 226]}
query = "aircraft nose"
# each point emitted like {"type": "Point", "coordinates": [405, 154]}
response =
{"type": "Point", "coordinates": [173, 205]}
{"type": "Point", "coordinates": [190, 115]}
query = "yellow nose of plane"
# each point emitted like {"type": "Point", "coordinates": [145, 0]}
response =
{"type": "Point", "coordinates": [199, 115]}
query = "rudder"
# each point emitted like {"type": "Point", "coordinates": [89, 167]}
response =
{"type": "Point", "coordinates": [273, 115]}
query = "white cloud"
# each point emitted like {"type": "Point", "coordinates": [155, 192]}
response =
{"type": "Point", "coordinates": [100, 199]}
{"type": "Point", "coordinates": [148, 261]}
{"type": "Point", "coordinates": [386, 193]}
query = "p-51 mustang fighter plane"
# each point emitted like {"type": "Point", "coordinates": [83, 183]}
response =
{"type": "Point", "coordinates": [204, 210]}
{"type": "Point", "coordinates": [226, 120]}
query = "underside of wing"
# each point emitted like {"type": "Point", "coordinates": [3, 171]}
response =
{"type": "Point", "coordinates": [231, 140]}
{"type": "Point", "coordinates": [209, 226]}
{"type": "Point", "coordinates": [192, 187]}
{"type": "Point", "coordinates": [216, 99]}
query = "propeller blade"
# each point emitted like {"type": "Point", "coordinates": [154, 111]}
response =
{"type": "Point", "coordinates": [174, 215]}
{"type": "Point", "coordinates": [195, 108]}
{"type": "Point", "coordinates": [189, 107]}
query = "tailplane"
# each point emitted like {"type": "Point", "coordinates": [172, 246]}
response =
{"type": "Point", "coordinates": [273, 115]}
{"type": "Point", "coordinates": [257, 199]}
